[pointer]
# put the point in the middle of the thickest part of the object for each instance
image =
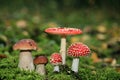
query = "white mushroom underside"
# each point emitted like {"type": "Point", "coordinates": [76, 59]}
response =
{"type": "Point", "coordinates": [26, 61]}
{"type": "Point", "coordinates": [75, 64]}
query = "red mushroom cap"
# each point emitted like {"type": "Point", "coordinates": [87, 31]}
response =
{"type": "Point", "coordinates": [25, 44]}
{"type": "Point", "coordinates": [78, 49]}
{"type": "Point", "coordinates": [63, 31]}
{"type": "Point", "coordinates": [55, 59]}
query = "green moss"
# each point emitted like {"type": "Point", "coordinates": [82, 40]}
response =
{"type": "Point", "coordinates": [10, 71]}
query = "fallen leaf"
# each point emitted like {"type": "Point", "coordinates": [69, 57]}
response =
{"type": "Point", "coordinates": [74, 39]}
{"type": "Point", "coordinates": [114, 62]}
{"type": "Point", "coordinates": [107, 60]}
{"type": "Point", "coordinates": [101, 36]}
{"type": "Point", "coordinates": [21, 23]}
{"type": "Point", "coordinates": [3, 56]}
{"type": "Point", "coordinates": [101, 29]}
{"type": "Point", "coordinates": [95, 58]}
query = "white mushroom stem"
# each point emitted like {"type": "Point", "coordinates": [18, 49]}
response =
{"type": "Point", "coordinates": [63, 49]}
{"type": "Point", "coordinates": [56, 68]}
{"type": "Point", "coordinates": [75, 64]}
{"type": "Point", "coordinates": [40, 68]}
{"type": "Point", "coordinates": [26, 60]}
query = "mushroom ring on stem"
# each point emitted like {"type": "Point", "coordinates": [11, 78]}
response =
{"type": "Point", "coordinates": [56, 60]}
{"type": "Point", "coordinates": [63, 32]}
{"type": "Point", "coordinates": [25, 46]}
{"type": "Point", "coordinates": [76, 50]}
{"type": "Point", "coordinates": [40, 62]}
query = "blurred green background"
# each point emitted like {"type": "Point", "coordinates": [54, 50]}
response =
{"type": "Point", "coordinates": [98, 19]}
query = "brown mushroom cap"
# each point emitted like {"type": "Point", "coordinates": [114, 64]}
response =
{"type": "Point", "coordinates": [25, 44]}
{"type": "Point", "coordinates": [41, 60]}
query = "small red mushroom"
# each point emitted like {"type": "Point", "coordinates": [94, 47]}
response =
{"type": "Point", "coordinates": [25, 58]}
{"type": "Point", "coordinates": [63, 32]}
{"type": "Point", "coordinates": [76, 50]}
{"type": "Point", "coordinates": [56, 60]}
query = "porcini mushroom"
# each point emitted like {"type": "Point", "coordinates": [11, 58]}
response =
{"type": "Point", "coordinates": [25, 58]}
{"type": "Point", "coordinates": [63, 32]}
{"type": "Point", "coordinates": [76, 50]}
{"type": "Point", "coordinates": [40, 62]}
{"type": "Point", "coordinates": [56, 60]}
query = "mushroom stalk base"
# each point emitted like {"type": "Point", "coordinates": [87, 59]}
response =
{"type": "Point", "coordinates": [56, 68]}
{"type": "Point", "coordinates": [40, 68]}
{"type": "Point", "coordinates": [26, 61]}
{"type": "Point", "coordinates": [63, 49]}
{"type": "Point", "coordinates": [75, 64]}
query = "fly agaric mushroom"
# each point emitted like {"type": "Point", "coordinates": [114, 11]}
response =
{"type": "Point", "coordinates": [63, 32]}
{"type": "Point", "coordinates": [76, 50]}
{"type": "Point", "coordinates": [56, 60]}
{"type": "Point", "coordinates": [25, 58]}
{"type": "Point", "coordinates": [40, 62]}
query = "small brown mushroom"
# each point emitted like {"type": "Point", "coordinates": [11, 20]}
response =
{"type": "Point", "coordinates": [40, 62]}
{"type": "Point", "coordinates": [25, 58]}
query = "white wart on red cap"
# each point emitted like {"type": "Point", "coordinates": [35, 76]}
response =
{"type": "Point", "coordinates": [63, 31]}
{"type": "Point", "coordinates": [78, 49]}
{"type": "Point", "coordinates": [25, 44]}
{"type": "Point", "coordinates": [55, 59]}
